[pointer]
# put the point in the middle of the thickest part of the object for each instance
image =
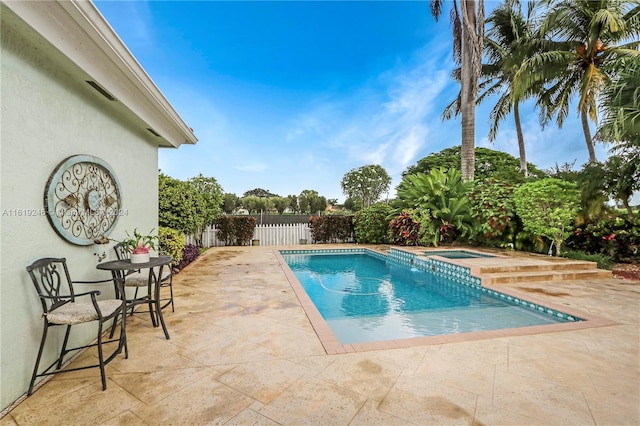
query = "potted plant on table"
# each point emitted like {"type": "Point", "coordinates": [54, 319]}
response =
{"type": "Point", "coordinates": [140, 245]}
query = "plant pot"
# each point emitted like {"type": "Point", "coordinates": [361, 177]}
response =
{"type": "Point", "coordinates": [255, 242]}
{"type": "Point", "coordinates": [140, 257]}
{"type": "Point", "coordinates": [303, 241]}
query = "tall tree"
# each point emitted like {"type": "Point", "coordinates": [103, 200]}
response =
{"type": "Point", "coordinates": [507, 45]}
{"type": "Point", "coordinates": [584, 41]}
{"type": "Point", "coordinates": [259, 192]}
{"type": "Point", "coordinates": [212, 194]}
{"type": "Point", "coordinates": [490, 164]}
{"type": "Point", "coordinates": [621, 126]}
{"type": "Point", "coordinates": [366, 183]}
{"type": "Point", "coordinates": [179, 205]}
{"type": "Point", "coordinates": [229, 203]}
{"type": "Point", "coordinates": [468, 34]}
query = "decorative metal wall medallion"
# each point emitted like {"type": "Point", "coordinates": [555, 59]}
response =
{"type": "Point", "coordinates": [83, 199]}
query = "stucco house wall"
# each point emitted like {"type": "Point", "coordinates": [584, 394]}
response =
{"type": "Point", "coordinates": [49, 113]}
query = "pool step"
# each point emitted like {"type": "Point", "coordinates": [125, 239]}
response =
{"type": "Point", "coordinates": [520, 276]}
{"type": "Point", "coordinates": [547, 266]}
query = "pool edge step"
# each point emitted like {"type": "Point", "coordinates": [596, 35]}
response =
{"type": "Point", "coordinates": [537, 276]}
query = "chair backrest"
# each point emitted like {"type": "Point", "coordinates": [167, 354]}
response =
{"type": "Point", "coordinates": [50, 284]}
{"type": "Point", "coordinates": [121, 252]}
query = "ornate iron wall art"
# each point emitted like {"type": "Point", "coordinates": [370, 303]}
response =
{"type": "Point", "coordinates": [83, 199]}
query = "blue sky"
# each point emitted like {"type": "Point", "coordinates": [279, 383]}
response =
{"type": "Point", "coordinates": [291, 95]}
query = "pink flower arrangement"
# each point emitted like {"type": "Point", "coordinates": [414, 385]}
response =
{"type": "Point", "coordinates": [140, 244]}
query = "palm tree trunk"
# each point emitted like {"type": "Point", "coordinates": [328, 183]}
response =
{"type": "Point", "coordinates": [468, 113]}
{"type": "Point", "coordinates": [587, 136]}
{"type": "Point", "coordinates": [470, 72]}
{"type": "Point", "coordinates": [523, 154]}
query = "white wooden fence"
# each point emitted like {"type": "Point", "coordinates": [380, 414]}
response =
{"type": "Point", "coordinates": [269, 235]}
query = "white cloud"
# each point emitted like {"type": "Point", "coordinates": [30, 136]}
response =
{"type": "Point", "coordinates": [373, 126]}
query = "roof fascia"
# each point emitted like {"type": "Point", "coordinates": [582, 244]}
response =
{"type": "Point", "coordinates": [81, 33]}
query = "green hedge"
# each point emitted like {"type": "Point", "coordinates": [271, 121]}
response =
{"type": "Point", "coordinates": [235, 230]}
{"type": "Point", "coordinates": [331, 229]}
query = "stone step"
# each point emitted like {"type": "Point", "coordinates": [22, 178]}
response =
{"type": "Point", "coordinates": [551, 266]}
{"type": "Point", "coordinates": [536, 276]}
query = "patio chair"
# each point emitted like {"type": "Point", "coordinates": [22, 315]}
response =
{"type": "Point", "coordinates": [134, 278]}
{"type": "Point", "coordinates": [49, 276]}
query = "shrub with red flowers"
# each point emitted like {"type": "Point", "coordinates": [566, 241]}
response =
{"type": "Point", "coordinates": [494, 209]}
{"type": "Point", "coordinates": [404, 230]}
{"type": "Point", "coordinates": [618, 237]}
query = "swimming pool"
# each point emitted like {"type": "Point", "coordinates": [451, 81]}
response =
{"type": "Point", "coordinates": [457, 254]}
{"type": "Point", "coordinates": [367, 297]}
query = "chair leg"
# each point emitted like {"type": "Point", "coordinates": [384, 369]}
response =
{"type": "Point", "coordinates": [64, 347]}
{"type": "Point", "coordinates": [101, 358]}
{"type": "Point", "coordinates": [113, 326]}
{"type": "Point", "coordinates": [123, 334]}
{"type": "Point", "coordinates": [173, 309]}
{"type": "Point", "coordinates": [35, 369]}
{"type": "Point", "coordinates": [135, 296]}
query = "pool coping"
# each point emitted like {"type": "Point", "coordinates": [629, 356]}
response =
{"type": "Point", "coordinates": [333, 346]}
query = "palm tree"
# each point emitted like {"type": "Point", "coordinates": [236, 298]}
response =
{"type": "Point", "coordinates": [584, 40]}
{"type": "Point", "coordinates": [621, 125]}
{"type": "Point", "coordinates": [507, 45]}
{"type": "Point", "coordinates": [468, 32]}
{"type": "Point", "coordinates": [621, 106]}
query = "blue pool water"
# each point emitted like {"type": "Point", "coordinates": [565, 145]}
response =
{"type": "Point", "coordinates": [456, 254]}
{"type": "Point", "coordinates": [364, 298]}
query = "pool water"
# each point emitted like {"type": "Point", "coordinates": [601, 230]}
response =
{"type": "Point", "coordinates": [456, 254]}
{"type": "Point", "coordinates": [364, 298]}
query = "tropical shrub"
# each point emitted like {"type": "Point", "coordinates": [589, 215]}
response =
{"type": "Point", "coordinates": [331, 228]}
{"type": "Point", "coordinates": [618, 237]}
{"type": "Point", "coordinates": [445, 196]}
{"type": "Point", "coordinates": [547, 208]}
{"type": "Point", "coordinates": [171, 243]}
{"type": "Point", "coordinates": [371, 225]}
{"type": "Point", "coordinates": [493, 208]}
{"type": "Point", "coordinates": [429, 233]}
{"type": "Point", "coordinates": [404, 230]}
{"type": "Point", "coordinates": [189, 254]}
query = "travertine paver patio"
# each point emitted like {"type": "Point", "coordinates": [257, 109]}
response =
{"type": "Point", "coordinates": [242, 351]}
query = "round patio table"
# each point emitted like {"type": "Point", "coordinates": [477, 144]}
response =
{"type": "Point", "coordinates": [119, 270]}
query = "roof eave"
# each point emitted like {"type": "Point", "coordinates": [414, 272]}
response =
{"type": "Point", "coordinates": [81, 33]}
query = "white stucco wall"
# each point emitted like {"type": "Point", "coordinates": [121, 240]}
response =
{"type": "Point", "coordinates": [47, 116]}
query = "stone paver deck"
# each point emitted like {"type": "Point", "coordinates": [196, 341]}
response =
{"type": "Point", "coordinates": [242, 351]}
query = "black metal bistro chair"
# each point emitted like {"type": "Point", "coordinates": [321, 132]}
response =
{"type": "Point", "coordinates": [52, 280]}
{"type": "Point", "coordinates": [134, 278]}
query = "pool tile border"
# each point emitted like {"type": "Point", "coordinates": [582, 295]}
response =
{"type": "Point", "coordinates": [576, 320]}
